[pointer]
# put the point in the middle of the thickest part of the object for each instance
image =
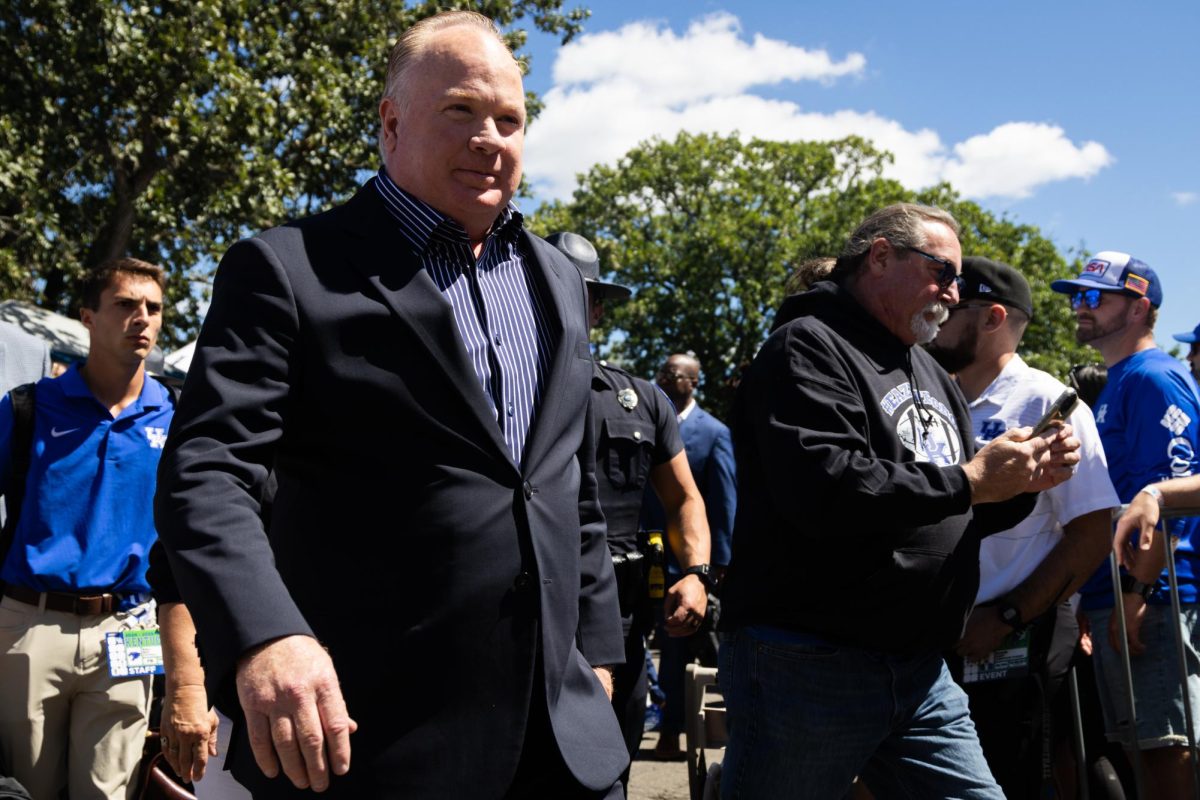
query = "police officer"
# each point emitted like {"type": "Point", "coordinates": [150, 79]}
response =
{"type": "Point", "coordinates": [637, 440]}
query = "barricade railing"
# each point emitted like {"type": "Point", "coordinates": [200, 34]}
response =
{"type": "Point", "coordinates": [1130, 732]}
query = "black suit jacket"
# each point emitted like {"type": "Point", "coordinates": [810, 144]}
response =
{"type": "Point", "coordinates": [401, 535]}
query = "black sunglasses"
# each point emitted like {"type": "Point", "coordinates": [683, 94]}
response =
{"type": "Point", "coordinates": [947, 275]}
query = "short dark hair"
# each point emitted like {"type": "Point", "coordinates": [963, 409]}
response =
{"type": "Point", "coordinates": [97, 279]}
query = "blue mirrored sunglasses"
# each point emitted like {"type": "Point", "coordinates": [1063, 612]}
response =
{"type": "Point", "coordinates": [947, 275]}
{"type": "Point", "coordinates": [1089, 297]}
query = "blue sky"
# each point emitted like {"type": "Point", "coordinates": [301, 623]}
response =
{"type": "Point", "coordinates": [1080, 118]}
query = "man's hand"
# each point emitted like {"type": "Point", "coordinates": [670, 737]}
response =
{"type": "Point", "coordinates": [604, 675]}
{"type": "Point", "coordinates": [985, 631]}
{"type": "Point", "coordinates": [295, 714]}
{"type": "Point", "coordinates": [189, 730]}
{"type": "Point", "coordinates": [1135, 532]}
{"type": "Point", "coordinates": [1013, 463]}
{"type": "Point", "coordinates": [1059, 466]}
{"type": "Point", "coordinates": [1135, 612]}
{"type": "Point", "coordinates": [685, 605]}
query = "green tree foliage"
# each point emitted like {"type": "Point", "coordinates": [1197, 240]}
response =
{"type": "Point", "coordinates": [168, 130]}
{"type": "Point", "coordinates": [706, 230]}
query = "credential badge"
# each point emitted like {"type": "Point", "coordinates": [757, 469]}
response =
{"type": "Point", "coordinates": [628, 399]}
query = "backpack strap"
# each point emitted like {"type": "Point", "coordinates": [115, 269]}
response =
{"type": "Point", "coordinates": [20, 455]}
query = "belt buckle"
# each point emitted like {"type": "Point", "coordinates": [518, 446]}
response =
{"type": "Point", "coordinates": [102, 603]}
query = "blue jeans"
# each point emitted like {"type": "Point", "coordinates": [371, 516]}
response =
{"type": "Point", "coordinates": [805, 717]}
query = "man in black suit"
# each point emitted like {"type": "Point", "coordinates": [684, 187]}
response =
{"type": "Point", "coordinates": [413, 368]}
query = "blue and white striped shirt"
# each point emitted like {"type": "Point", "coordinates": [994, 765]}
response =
{"type": "Point", "coordinates": [497, 308]}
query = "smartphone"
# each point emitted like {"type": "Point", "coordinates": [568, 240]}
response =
{"type": "Point", "coordinates": [1060, 409]}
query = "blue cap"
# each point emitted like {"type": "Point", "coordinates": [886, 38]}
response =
{"type": "Point", "coordinates": [1190, 338]}
{"type": "Point", "coordinates": [1111, 271]}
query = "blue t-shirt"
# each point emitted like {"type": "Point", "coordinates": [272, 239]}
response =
{"type": "Point", "coordinates": [87, 520]}
{"type": "Point", "coordinates": [1149, 417]}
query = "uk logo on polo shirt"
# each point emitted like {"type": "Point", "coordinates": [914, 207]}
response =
{"type": "Point", "coordinates": [157, 437]}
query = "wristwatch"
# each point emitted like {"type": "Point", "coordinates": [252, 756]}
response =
{"type": "Point", "coordinates": [703, 570]}
{"type": "Point", "coordinates": [1131, 585]}
{"type": "Point", "coordinates": [1010, 615]}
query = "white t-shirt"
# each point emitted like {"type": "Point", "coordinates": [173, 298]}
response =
{"type": "Point", "coordinates": [1018, 397]}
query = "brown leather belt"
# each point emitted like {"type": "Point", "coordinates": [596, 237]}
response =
{"type": "Point", "coordinates": [83, 605]}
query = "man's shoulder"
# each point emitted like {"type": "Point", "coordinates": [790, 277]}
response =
{"type": "Point", "coordinates": [621, 381]}
{"type": "Point", "coordinates": [1156, 372]}
{"type": "Point", "coordinates": [703, 419]}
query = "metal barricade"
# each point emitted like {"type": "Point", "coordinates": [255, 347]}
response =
{"type": "Point", "coordinates": [1131, 737]}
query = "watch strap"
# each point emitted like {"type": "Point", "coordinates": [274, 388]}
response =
{"type": "Point", "coordinates": [1131, 585]}
{"type": "Point", "coordinates": [703, 571]}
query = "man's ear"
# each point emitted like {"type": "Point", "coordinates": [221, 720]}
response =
{"type": "Point", "coordinates": [1139, 310]}
{"type": "Point", "coordinates": [996, 317]}
{"type": "Point", "coordinates": [877, 255]}
{"type": "Point", "coordinates": [85, 316]}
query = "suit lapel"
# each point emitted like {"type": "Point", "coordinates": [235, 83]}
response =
{"type": "Point", "coordinates": [385, 260]}
{"type": "Point", "coordinates": [545, 270]}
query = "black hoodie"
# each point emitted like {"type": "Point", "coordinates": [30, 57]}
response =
{"type": "Point", "coordinates": [854, 517]}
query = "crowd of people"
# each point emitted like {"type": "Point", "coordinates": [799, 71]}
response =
{"type": "Point", "coordinates": [408, 533]}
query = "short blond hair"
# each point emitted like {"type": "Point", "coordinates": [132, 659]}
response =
{"type": "Point", "coordinates": [414, 40]}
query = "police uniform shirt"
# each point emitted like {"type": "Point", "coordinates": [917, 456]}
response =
{"type": "Point", "coordinates": [636, 430]}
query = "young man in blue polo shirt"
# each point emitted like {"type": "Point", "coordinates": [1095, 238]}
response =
{"type": "Point", "coordinates": [76, 570]}
{"type": "Point", "coordinates": [1148, 416]}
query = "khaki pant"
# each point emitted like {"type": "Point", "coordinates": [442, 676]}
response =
{"type": "Point", "coordinates": [63, 720]}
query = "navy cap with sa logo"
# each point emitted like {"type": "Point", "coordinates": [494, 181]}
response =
{"type": "Point", "coordinates": [1112, 271]}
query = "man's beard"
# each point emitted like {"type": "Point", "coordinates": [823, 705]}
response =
{"type": "Point", "coordinates": [1094, 331]}
{"type": "Point", "coordinates": [926, 330]}
{"type": "Point", "coordinates": [957, 356]}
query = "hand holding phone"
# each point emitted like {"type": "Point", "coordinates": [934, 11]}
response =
{"type": "Point", "coordinates": [1059, 410]}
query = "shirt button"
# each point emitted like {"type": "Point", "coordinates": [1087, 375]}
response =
{"type": "Point", "coordinates": [497, 340]}
{"type": "Point", "coordinates": [511, 409]}
{"type": "Point", "coordinates": [637, 434]}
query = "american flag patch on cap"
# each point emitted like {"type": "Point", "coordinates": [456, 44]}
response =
{"type": "Point", "coordinates": [1136, 283]}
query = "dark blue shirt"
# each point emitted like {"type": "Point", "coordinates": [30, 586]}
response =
{"type": "Point", "coordinates": [87, 521]}
{"type": "Point", "coordinates": [499, 314]}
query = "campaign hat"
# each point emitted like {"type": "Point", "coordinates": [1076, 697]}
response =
{"type": "Point", "coordinates": [583, 255]}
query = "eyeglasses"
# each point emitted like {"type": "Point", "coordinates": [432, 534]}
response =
{"type": "Point", "coordinates": [947, 275]}
{"type": "Point", "coordinates": [1089, 297]}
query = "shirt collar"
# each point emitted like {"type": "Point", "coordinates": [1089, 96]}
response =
{"type": "Point", "coordinates": [153, 394]}
{"type": "Point", "coordinates": [1002, 386]}
{"type": "Point", "coordinates": [421, 223]}
{"type": "Point", "coordinates": [687, 410]}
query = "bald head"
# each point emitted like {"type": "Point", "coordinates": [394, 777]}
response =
{"type": "Point", "coordinates": [678, 378]}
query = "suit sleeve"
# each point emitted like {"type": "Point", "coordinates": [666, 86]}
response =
{"type": "Point", "coordinates": [216, 464]}
{"type": "Point", "coordinates": [720, 495]}
{"type": "Point", "coordinates": [809, 426]}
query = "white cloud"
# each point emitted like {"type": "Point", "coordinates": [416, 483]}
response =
{"type": "Point", "coordinates": [1015, 158]}
{"type": "Point", "coordinates": [615, 89]}
{"type": "Point", "coordinates": [1184, 198]}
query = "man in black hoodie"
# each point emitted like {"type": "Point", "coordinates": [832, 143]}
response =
{"type": "Point", "coordinates": [861, 504]}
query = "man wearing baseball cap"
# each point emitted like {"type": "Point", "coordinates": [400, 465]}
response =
{"type": "Point", "coordinates": [1028, 574]}
{"type": "Point", "coordinates": [1149, 417]}
{"type": "Point", "coordinates": [638, 442]}
{"type": "Point", "coordinates": [1191, 338]}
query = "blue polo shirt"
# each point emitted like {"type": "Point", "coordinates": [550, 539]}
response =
{"type": "Point", "coordinates": [87, 521]}
{"type": "Point", "coordinates": [1148, 416]}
